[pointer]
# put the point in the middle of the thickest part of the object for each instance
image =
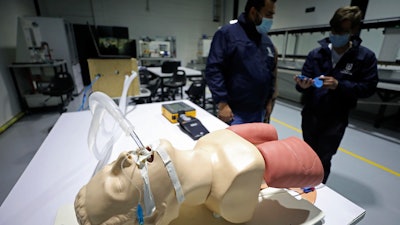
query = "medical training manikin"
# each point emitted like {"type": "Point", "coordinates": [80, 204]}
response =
{"type": "Point", "coordinates": [224, 172]}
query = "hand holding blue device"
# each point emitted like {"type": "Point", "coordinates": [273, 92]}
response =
{"type": "Point", "coordinates": [317, 83]}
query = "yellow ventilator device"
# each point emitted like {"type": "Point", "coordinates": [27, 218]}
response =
{"type": "Point", "coordinates": [172, 111]}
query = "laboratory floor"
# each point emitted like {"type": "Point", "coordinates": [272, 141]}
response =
{"type": "Point", "coordinates": [366, 169]}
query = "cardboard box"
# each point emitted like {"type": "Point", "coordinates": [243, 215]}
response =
{"type": "Point", "coordinates": [112, 78]}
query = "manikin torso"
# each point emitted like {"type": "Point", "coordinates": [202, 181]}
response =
{"type": "Point", "coordinates": [223, 171]}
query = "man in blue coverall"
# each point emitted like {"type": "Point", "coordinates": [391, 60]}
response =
{"type": "Point", "coordinates": [348, 71]}
{"type": "Point", "coordinates": [241, 66]}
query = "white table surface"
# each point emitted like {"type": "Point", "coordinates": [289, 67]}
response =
{"type": "Point", "coordinates": [63, 164]}
{"type": "Point", "coordinates": [189, 72]}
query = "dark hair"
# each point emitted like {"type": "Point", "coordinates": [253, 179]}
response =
{"type": "Point", "coordinates": [258, 4]}
{"type": "Point", "coordinates": [351, 13]}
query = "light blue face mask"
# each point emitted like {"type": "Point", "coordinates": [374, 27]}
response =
{"type": "Point", "coordinates": [265, 25]}
{"type": "Point", "coordinates": [338, 40]}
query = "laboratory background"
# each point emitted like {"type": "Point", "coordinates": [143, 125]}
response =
{"type": "Point", "coordinates": [366, 169]}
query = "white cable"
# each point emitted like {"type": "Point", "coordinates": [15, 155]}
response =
{"type": "Point", "coordinates": [127, 83]}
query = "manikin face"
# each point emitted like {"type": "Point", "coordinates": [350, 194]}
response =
{"type": "Point", "coordinates": [113, 193]}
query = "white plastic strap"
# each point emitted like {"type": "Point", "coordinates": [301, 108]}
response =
{"type": "Point", "coordinates": [149, 205]}
{"type": "Point", "coordinates": [172, 174]}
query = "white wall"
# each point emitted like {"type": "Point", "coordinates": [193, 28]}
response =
{"type": "Point", "coordinates": [373, 39]}
{"type": "Point", "coordinates": [189, 20]}
{"type": "Point", "coordinates": [288, 16]}
{"type": "Point", "coordinates": [185, 20]}
{"type": "Point", "coordinates": [9, 12]}
{"type": "Point", "coordinates": [381, 9]}
{"type": "Point", "coordinates": [291, 13]}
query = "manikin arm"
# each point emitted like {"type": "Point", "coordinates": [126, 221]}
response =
{"type": "Point", "coordinates": [290, 162]}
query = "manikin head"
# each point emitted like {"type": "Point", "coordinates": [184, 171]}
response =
{"type": "Point", "coordinates": [112, 196]}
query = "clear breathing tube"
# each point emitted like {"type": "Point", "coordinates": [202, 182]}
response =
{"type": "Point", "coordinates": [101, 105]}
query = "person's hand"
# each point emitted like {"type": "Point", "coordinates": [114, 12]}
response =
{"type": "Point", "coordinates": [225, 112]}
{"type": "Point", "coordinates": [303, 83]}
{"type": "Point", "coordinates": [329, 82]}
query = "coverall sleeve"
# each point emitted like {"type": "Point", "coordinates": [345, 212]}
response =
{"type": "Point", "coordinates": [214, 73]}
{"type": "Point", "coordinates": [307, 70]}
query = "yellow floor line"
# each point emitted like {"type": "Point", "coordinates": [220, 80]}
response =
{"type": "Point", "coordinates": [343, 150]}
{"type": "Point", "coordinates": [369, 161]}
{"type": "Point", "coordinates": [11, 122]}
{"type": "Point", "coordinates": [286, 125]}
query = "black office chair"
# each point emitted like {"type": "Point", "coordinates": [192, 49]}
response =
{"type": "Point", "coordinates": [197, 94]}
{"type": "Point", "coordinates": [145, 76]}
{"type": "Point", "coordinates": [152, 83]}
{"type": "Point", "coordinates": [177, 82]}
{"type": "Point", "coordinates": [61, 85]}
{"type": "Point", "coordinates": [196, 91]}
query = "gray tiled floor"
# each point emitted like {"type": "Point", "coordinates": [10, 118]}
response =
{"type": "Point", "coordinates": [358, 179]}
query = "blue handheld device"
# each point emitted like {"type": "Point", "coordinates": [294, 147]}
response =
{"type": "Point", "coordinates": [317, 82]}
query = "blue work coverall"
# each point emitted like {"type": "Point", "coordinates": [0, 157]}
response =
{"type": "Point", "coordinates": [240, 67]}
{"type": "Point", "coordinates": [325, 112]}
